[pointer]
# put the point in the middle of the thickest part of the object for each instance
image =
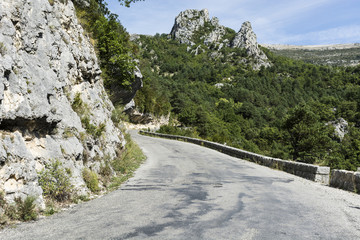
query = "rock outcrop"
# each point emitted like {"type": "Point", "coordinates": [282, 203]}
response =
{"type": "Point", "coordinates": [340, 128]}
{"type": "Point", "coordinates": [191, 21]}
{"type": "Point", "coordinates": [194, 25]}
{"type": "Point", "coordinates": [49, 87]}
{"type": "Point", "coordinates": [187, 23]}
{"type": "Point", "coordinates": [246, 39]}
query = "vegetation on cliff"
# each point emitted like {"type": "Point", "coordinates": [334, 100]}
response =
{"type": "Point", "coordinates": [112, 42]}
{"type": "Point", "coordinates": [288, 110]}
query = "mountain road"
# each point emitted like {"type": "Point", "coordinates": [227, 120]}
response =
{"type": "Point", "coordinates": [185, 191]}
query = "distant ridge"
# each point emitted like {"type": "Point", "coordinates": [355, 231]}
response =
{"type": "Point", "coordinates": [312, 47]}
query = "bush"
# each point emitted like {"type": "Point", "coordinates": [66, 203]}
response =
{"type": "Point", "coordinates": [26, 210]}
{"type": "Point", "coordinates": [91, 180]}
{"type": "Point", "coordinates": [55, 182]}
{"type": "Point", "coordinates": [23, 210]}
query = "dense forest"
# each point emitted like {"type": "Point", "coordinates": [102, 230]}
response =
{"type": "Point", "coordinates": [288, 110]}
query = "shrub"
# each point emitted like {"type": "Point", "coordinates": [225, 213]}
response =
{"type": "Point", "coordinates": [26, 209]}
{"type": "Point", "coordinates": [23, 210]}
{"type": "Point", "coordinates": [77, 104]}
{"type": "Point", "coordinates": [118, 115]}
{"type": "Point", "coordinates": [91, 180]}
{"type": "Point", "coordinates": [55, 182]}
{"type": "Point", "coordinates": [2, 48]}
{"type": "Point", "coordinates": [50, 208]}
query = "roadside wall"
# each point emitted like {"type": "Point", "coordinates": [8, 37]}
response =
{"type": "Point", "coordinates": [346, 180]}
{"type": "Point", "coordinates": [308, 171]}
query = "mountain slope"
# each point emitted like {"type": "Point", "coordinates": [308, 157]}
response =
{"type": "Point", "coordinates": [289, 109]}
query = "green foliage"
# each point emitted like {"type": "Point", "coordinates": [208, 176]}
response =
{"type": "Point", "coordinates": [127, 161]}
{"type": "Point", "coordinates": [118, 115]}
{"type": "Point", "coordinates": [23, 210]}
{"type": "Point", "coordinates": [91, 129]}
{"type": "Point", "coordinates": [78, 105]}
{"type": "Point", "coordinates": [281, 111]}
{"type": "Point", "coordinates": [127, 3]}
{"type": "Point", "coordinates": [55, 182]}
{"type": "Point", "coordinates": [2, 48]}
{"type": "Point", "coordinates": [26, 208]}
{"type": "Point", "coordinates": [83, 111]}
{"type": "Point", "coordinates": [114, 49]}
{"type": "Point", "coordinates": [91, 180]}
{"type": "Point", "coordinates": [229, 34]}
{"type": "Point", "coordinates": [169, 129]}
{"type": "Point", "coordinates": [50, 208]}
{"type": "Point", "coordinates": [308, 136]}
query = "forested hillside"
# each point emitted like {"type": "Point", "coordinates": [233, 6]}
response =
{"type": "Point", "coordinates": [289, 110]}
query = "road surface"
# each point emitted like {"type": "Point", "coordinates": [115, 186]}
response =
{"type": "Point", "coordinates": [185, 191]}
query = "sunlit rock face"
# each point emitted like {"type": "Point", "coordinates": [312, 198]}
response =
{"type": "Point", "coordinates": [191, 23]}
{"type": "Point", "coordinates": [49, 83]}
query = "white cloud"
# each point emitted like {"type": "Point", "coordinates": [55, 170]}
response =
{"type": "Point", "coordinates": [343, 34]}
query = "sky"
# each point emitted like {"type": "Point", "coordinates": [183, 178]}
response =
{"type": "Point", "coordinates": [292, 22]}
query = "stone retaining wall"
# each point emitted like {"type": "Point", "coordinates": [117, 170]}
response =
{"type": "Point", "coordinates": [346, 180]}
{"type": "Point", "coordinates": [308, 171]}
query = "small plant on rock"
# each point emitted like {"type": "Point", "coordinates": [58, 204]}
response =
{"type": "Point", "coordinates": [26, 209]}
{"type": "Point", "coordinates": [2, 48]}
{"type": "Point", "coordinates": [91, 180]}
{"type": "Point", "coordinates": [55, 182]}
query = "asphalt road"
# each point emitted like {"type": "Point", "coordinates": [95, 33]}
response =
{"type": "Point", "coordinates": [185, 191]}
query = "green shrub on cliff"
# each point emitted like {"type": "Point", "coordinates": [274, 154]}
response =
{"type": "Point", "coordinates": [55, 182]}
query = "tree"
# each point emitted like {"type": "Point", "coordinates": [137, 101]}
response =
{"type": "Point", "coordinates": [308, 137]}
{"type": "Point", "coordinates": [126, 3]}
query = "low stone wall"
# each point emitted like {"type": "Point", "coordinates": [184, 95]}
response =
{"type": "Point", "coordinates": [308, 171]}
{"type": "Point", "coordinates": [346, 180]}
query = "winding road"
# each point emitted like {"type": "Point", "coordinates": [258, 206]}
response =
{"type": "Point", "coordinates": [185, 191]}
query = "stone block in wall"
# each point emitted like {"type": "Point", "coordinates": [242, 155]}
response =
{"type": "Point", "coordinates": [343, 179]}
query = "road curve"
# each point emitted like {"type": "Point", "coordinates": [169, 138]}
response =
{"type": "Point", "coordinates": [185, 191]}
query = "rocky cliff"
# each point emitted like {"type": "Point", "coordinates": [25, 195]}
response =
{"type": "Point", "coordinates": [193, 25]}
{"type": "Point", "coordinates": [53, 105]}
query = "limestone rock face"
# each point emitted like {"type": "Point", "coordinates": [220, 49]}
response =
{"type": "Point", "coordinates": [340, 128]}
{"type": "Point", "coordinates": [246, 38]}
{"type": "Point", "coordinates": [187, 23]}
{"type": "Point", "coordinates": [190, 23]}
{"type": "Point", "coordinates": [47, 66]}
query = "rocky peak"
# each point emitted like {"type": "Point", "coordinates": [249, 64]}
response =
{"type": "Point", "coordinates": [246, 38]}
{"type": "Point", "coordinates": [194, 27]}
{"type": "Point", "coordinates": [187, 23]}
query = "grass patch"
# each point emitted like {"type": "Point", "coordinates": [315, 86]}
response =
{"type": "Point", "coordinates": [127, 162]}
{"type": "Point", "coordinates": [91, 180]}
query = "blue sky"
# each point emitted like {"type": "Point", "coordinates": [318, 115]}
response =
{"type": "Point", "coordinates": [296, 22]}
